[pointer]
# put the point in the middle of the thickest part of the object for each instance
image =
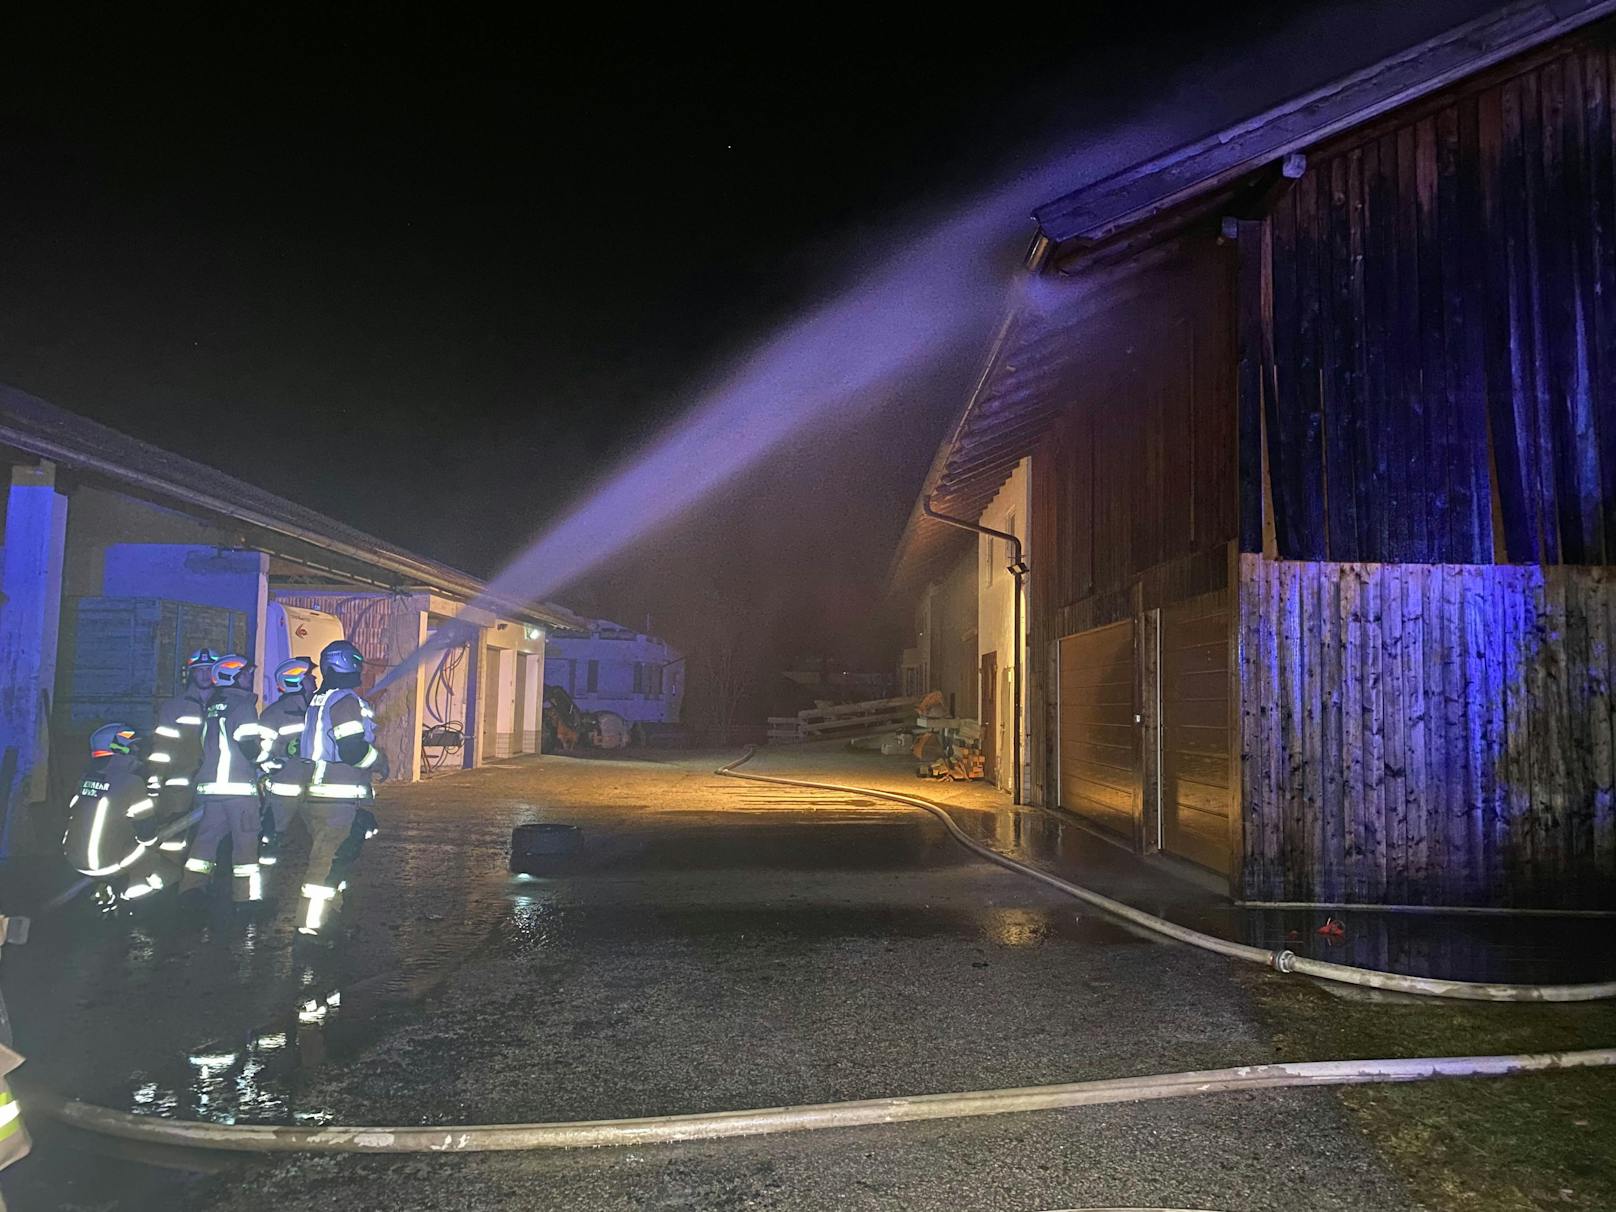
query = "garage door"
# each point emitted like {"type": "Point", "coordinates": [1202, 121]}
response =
{"type": "Point", "coordinates": [1196, 795]}
{"type": "Point", "coordinates": [1099, 735]}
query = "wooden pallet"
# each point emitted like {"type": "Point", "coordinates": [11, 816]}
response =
{"type": "Point", "coordinates": [843, 720]}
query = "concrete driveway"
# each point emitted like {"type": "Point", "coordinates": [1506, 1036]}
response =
{"type": "Point", "coordinates": [716, 944]}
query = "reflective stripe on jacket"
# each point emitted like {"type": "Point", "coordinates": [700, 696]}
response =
{"type": "Point", "coordinates": [177, 739]}
{"type": "Point", "coordinates": [231, 742]}
{"type": "Point", "coordinates": [278, 724]}
{"type": "Point", "coordinates": [110, 818]}
{"type": "Point", "coordinates": [14, 1142]}
{"type": "Point", "coordinates": [333, 718]}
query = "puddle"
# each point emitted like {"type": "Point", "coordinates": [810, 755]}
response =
{"type": "Point", "coordinates": [258, 1075]}
{"type": "Point", "coordinates": [540, 922]}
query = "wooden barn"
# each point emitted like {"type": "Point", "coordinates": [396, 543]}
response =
{"type": "Point", "coordinates": [1319, 422]}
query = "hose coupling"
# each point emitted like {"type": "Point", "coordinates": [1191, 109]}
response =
{"type": "Point", "coordinates": [1284, 961]}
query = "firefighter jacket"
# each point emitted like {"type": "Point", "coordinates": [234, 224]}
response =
{"type": "Point", "coordinates": [339, 733]}
{"type": "Point", "coordinates": [112, 817]}
{"type": "Point", "coordinates": [177, 740]}
{"type": "Point", "coordinates": [14, 1143]}
{"type": "Point", "coordinates": [279, 724]}
{"type": "Point", "coordinates": [231, 742]}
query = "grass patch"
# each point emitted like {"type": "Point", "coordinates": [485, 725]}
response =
{"type": "Point", "coordinates": [1541, 1141]}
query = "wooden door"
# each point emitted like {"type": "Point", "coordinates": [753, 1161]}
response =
{"type": "Point", "coordinates": [987, 689]}
{"type": "Point", "coordinates": [1100, 776]}
{"type": "Point", "coordinates": [1196, 788]}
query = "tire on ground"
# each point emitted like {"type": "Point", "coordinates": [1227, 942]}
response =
{"type": "Point", "coordinates": [535, 846]}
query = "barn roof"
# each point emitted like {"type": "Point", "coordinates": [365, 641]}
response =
{"type": "Point", "coordinates": [1138, 193]}
{"type": "Point", "coordinates": [35, 427]}
{"type": "Point", "coordinates": [1010, 406]}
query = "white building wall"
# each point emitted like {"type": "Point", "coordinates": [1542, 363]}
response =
{"type": "Point", "coordinates": [532, 688]}
{"type": "Point", "coordinates": [1008, 511]}
{"type": "Point", "coordinates": [506, 743]}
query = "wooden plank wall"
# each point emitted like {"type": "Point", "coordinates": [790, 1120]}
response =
{"type": "Point", "coordinates": [1197, 783]}
{"type": "Point", "coordinates": [1441, 303]}
{"type": "Point", "coordinates": [1427, 734]}
{"type": "Point", "coordinates": [1133, 488]}
{"type": "Point", "coordinates": [1099, 743]}
{"type": "Point", "coordinates": [1141, 458]}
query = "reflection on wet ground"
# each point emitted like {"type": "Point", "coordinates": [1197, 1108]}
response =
{"type": "Point", "coordinates": [279, 1014]}
{"type": "Point", "coordinates": [243, 1071]}
{"type": "Point", "coordinates": [249, 1059]}
{"type": "Point", "coordinates": [254, 1077]}
{"type": "Point", "coordinates": [227, 1021]}
{"type": "Point", "coordinates": [538, 923]}
{"type": "Point", "coordinates": [1456, 946]}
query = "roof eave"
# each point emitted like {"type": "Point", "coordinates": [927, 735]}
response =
{"type": "Point", "coordinates": [411, 569]}
{"type": "Point", "coordinates": [1135, 195]}
{"type": "Point", "coordinates": [1033, 262]}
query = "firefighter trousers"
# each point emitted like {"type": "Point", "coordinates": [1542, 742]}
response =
{"type": "Point", "coordinates": [237, 817]}
{"type": "Point", "coordinates": [154, 871]}
{"type": "Point", "coordinates": [330, 822]}
{"type": "Point", "coordinates": [279, 811]}
{"type": "Point", "coordinates": [175, 797]}
{"type": "Point", "coordinates": [274, 819]}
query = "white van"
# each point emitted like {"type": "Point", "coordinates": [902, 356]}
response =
{"type": "Point", "coordinates": [295, 631]}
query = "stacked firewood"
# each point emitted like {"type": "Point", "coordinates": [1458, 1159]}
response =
{"type": "Point", "coordinates": [960, 763]}
{"type": "Point", "coordinates": [947, 747]}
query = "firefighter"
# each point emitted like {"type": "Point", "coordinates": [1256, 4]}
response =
{"type": "Point", "coordinates": [339, 734]}
{"type": "Point", "coordinates": [14, 1143]}
{"type": "Point", "coordinates": [227, 784]}
{"type": "Point", "coordinates": [176, 749]}
{"type": "Point", "coordinates": [112, 824]}
{"type": "Point", "coordinates": [285, 775]}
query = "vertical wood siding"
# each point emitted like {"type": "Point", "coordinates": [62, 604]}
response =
{"type": "Point", "coordinates": [1140, 463]}
{"type": "Point", "coordinates": [1196, 782]}
{"type": "Point", "coordinates": [1427, 734]}
{"type": "Point", "coordinates": [1133, 490]}
{"type": "Point", "coordinates": [1099, 739]}
{"type": "Point", "coordinates": [1439, 360]}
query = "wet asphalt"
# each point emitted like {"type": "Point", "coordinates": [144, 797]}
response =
{"type": "Point", "coordinates": [713, 945]}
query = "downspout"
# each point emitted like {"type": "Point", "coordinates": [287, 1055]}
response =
{"type": "Point", "coordinates": [1036, 257]}
{"type": "Point", "coordinates": [1017, 569]}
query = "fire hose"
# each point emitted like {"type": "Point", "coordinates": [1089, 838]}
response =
{"type": "Point", "coordinates": [720, 1125]}
{"type": "Point", "coordinates": [723, 1125]}
{"type": "Point", "coordinates": [1279, 961]}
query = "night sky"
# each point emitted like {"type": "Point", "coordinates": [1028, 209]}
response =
{"type": "Point", "coordinates": [432, 274]}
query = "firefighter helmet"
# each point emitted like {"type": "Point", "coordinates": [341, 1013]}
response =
{"type": "Point", "coordinates": [292, 676]}
{"type": "Point", "coordinates": [112, 738]}
{"type": "Point", "coordinates": [199, 668]}
{"type": "Point", "coordinates": [231, 670]}
{"type": "Point", "coordinates": [202, 656]}
{"type": "Point", "coordinates": [341, 660]}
